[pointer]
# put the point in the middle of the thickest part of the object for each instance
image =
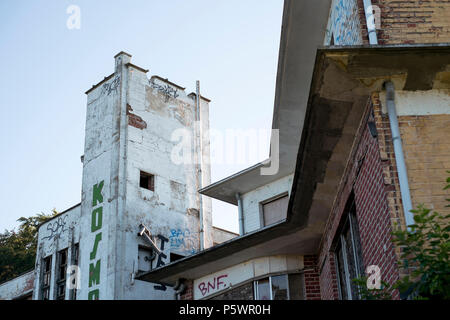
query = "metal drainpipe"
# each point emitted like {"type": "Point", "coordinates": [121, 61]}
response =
{"type": "Point", "coordinates": [199, 168]}
{"type": "Point", "coordinates": [179, 288]}
{"type": "Point", "coordinates": [370, 22]}
{"type": "Point", "coordinates": [241, 214]}
{"type": "Point", "coordinates": [398, 151]}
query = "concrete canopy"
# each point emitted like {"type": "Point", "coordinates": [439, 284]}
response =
{"type": "Point", "coordinates": [303, 30]}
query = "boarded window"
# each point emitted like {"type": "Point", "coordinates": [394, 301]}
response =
{"type": "Point", "coordinates": [147, 181]}
{"type": "Point", "coordinates": [275, 210]}
{"type": "Point", "coordinates": [146, 255]}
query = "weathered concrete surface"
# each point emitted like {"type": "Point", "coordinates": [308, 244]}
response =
{"type": "Point", "coordinates": [130, 126]}
{"type": "Point", "coordinates": [17, 288]}
{"type": "Point", "coordinates": [58, 233]}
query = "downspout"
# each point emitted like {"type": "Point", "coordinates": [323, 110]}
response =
{"type": "Point", "coordinates": [370, 22]}
{"type": "Point", "coordinates": [241, 214]}
{"type": "Point", "coordinates": [179, 288]}
{"type": "Point", "coordinates": [199, 167]}
{"type": "Point", "coordinates": [398, 151]}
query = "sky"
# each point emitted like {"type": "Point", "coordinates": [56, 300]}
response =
{"type": "Point", "coordinates": [230, 46]}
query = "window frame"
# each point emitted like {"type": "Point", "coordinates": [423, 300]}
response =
{"type": "Point", "coordinates": [269, 200]}
{"type": "Point", "coordinates": [75, 260]}
{"type": "Point", "coordinates": [46, 275]}
{"type": "Point", "coordinates": [151, 180]}
{"type": "Point", "coordinates": [286, 275]}
{"type": "Point", "coordinates": [61, 280]}
{"type": "Point", "coordinates": [349, 224]}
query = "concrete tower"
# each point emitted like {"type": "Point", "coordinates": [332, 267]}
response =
{"type": "Point", "coordinates": [135, 191]}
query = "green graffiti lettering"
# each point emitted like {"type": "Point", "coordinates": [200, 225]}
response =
{"type": "Point", "coordinates": [97, 194]}
{"type": "Point", "coordinates": [98, 238]}
{"type": "Point", "coordinates": [94, 294]}
{"type": "Point", "coordinates": [94, 274]}
{"type": "Point", "coordinates": [97, 217]}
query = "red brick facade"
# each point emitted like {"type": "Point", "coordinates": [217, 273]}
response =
{"type": "Point", "coordinates": [363, 176]}
{"type": "Point", "coordinates": [188, 293]}
{"type": "Point", "coordinates": [410, 21]}
{"type": "Point", "coordinates": [312, 285]}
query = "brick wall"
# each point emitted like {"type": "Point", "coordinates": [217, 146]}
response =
{"type": "Point", "coordinates": [426, 146]}
{"type": "Point", "coordinates": [188, 293]}
{"type": "Point", "coordinates": [410, 21]}
{"type": "Point", "coordinates": [363, 175]}
{"type": "Point", "coordinates": [427, 154]}
{"type": "Point", "coordinates": [312, 285]}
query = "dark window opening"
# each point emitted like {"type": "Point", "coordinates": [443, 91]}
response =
{"type": "Point", "coordinates": [147, 181]}
{"type": "Point", "coordinates": [61, 276]}
{"type": "Point", "coordinates": [349, 254]}
{"type": "Point", "coordinates": [46, 276]}
{"type": "Point", "coordinates": [175, 257]}
{"type": "Point", "coordinates": [75, 262]}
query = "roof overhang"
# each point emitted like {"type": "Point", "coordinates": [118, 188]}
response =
{"type": "Point", "coordinates": [303, 30]}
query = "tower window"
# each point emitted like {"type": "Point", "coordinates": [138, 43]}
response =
{"type": "Point", "coordinates": [147, 181]}
{"type": "Point", "coordinates": [61, 275]}
{"type": "Point", "coordinates": [46, 276]}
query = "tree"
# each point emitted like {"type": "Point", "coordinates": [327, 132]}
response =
{"type": "Point", "coordinates": [18, 248]}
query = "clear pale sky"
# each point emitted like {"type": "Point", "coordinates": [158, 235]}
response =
{"type": "Point", "coordinates": [230, 46]}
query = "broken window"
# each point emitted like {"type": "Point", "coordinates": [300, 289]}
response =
{"type": "Point", "coordinates": [146, 255]}
{"type": "Point", "coordinates": [280, 287]}
{"type": "Point", "coordinates": [349, 254]}
{"type": "Point", "coordinates": [274, 210]}
{"type": "Point", "coordinates": [46, 277]}
{"type": "Point", "coordinates": [147, 181]}
{"type": "Point", "coordinates": [61, 275]}
{"type": "Point", "coordinates": [75, 262]}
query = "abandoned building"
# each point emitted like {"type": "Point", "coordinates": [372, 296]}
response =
{"type": "Point", "coordinates": [363, 113]}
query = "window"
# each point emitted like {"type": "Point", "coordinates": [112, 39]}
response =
{"type": "Point", "coordinates": [61, 275]}
{"type": "Point", "coordinates": [146, 255]}
{"type": "Point", "coordinates": [348, 255]}
{"type": "Point", "coordinates": [46, 276]}
{"type": "Point", "coordinates": [147, 181]}
{"type": "Point", "coordinates": [175, 257]}
{"type": "Point", "coordinates": [75, 262]}
{"type": "Point", "coordinates": [280, 287]}
{"type": "Point", "coordinates": [274, 210]}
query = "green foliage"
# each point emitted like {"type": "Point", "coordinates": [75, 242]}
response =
{"type": "Point", "coordinates": [425, 253]}
{"type": "Point", "coordinates": [384, 293]}
{"type": "Point", "coordinates": [18, 248]}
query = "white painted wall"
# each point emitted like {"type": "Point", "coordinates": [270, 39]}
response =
{"type": "Point", "coordinates": [59, 233]}
{"type": "Point", "coordinates": [343, 23]}
{"type": "Point", "coordinates": [419, 103]}
{"type": "Point", "coordinates": [236, 275]}
{"type": "Point", "coordinates": [251, 201]}
{"type": "Point", "coordinates": [17, 287]}
{"type": "Point", "coordinates": [114, 154]}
